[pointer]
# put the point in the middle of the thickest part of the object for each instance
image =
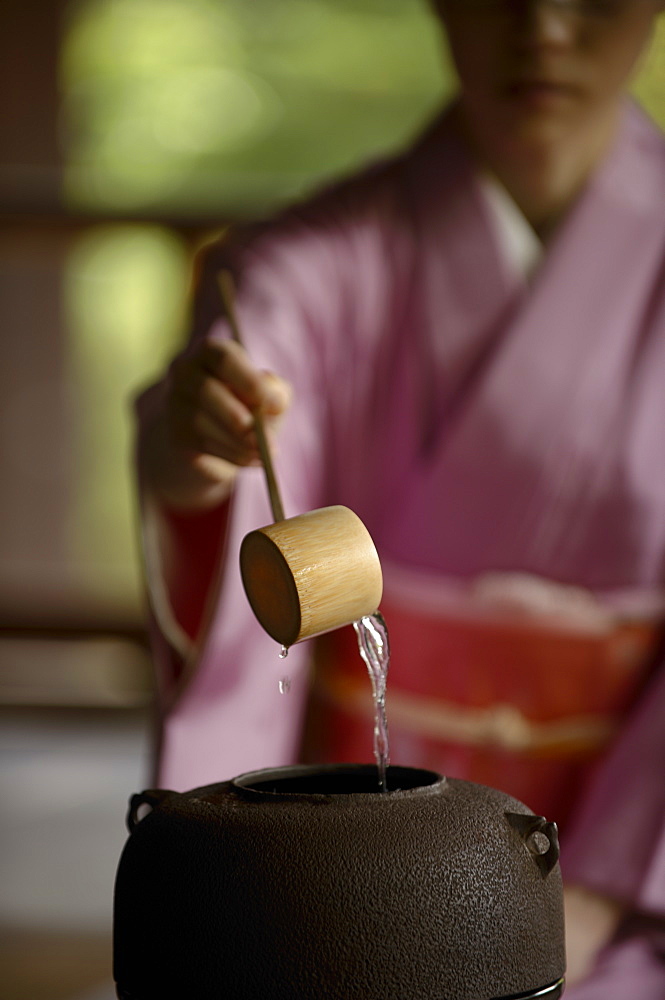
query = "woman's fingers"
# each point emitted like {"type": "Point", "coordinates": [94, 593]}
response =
{"type": "Point", "coordinates": [230, 365]}
{"type": "Point", "coordinates": [223, 407]}
{"type": "Point", "coordinates": [277, 395]}
{"type": "Point", "coordinates": [203, 423]}
{"type": "Point", "coordinates": [214, 395]}
{"type": "Point", "coordinates": [213, 440]}
{"type": "Point", "coordinates": [205, 428]}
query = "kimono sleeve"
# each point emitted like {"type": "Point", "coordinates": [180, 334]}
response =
{"type": "Point", "coordinates": [616, 843]}
{"type": "Point", "coordinates": [294, 279]}
{"type": "Point", "coordinates": [180, 549]}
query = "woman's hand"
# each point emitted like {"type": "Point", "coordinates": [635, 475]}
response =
{"type": "Point", "coordinates": [591, 921]}
{"type": "Point", "coordinates": [203, 429]}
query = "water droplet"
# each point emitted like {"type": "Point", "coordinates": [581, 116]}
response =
{"type": "Point", "coordinates": [284, 685]}
{"type": "Point", "coordinates": [284, 652]}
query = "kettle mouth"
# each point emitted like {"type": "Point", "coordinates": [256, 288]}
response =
{"type": "Point", "coordinates": [336, 779]}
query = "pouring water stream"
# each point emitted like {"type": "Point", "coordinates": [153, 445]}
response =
{"type": "Point", "coordinates": [371, 630]}
{"type": "Point", "coordinates": [372, 634]}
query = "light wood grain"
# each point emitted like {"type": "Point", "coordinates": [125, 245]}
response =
{"type": "Point", "coordinates": [311, 574]}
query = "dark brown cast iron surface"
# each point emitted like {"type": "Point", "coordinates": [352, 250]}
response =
{"type": "Point", "coordinates": [307, 884]}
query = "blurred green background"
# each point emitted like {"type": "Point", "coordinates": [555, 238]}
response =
{"type": "Point", "coordinates": [210, 109]}
{"type": "Point", "coordinates": [238, 104]}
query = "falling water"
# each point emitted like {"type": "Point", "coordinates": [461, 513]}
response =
{"type": "Point", "coordinates": [374, 648]}
{"type": "Point", "coordinates": [284, 682]}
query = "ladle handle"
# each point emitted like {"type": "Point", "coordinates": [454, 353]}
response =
{"type": "Point", "coordinates": [228, 299]}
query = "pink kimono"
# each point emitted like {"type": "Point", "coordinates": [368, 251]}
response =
{"type": "Point", "coordinates": [500, 434]}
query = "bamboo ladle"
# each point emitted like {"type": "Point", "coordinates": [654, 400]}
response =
{"type": "Point", "coordinates": [308, 574]}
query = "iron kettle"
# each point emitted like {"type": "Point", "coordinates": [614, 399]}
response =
{"type": "Point", "coordinates": [307, 883]}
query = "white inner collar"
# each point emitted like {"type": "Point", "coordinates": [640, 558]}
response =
{"type": "Point", "coordinates": [519, 242]}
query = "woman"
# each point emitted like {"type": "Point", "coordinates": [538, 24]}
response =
{"type": "Point", "coordinates": [470, 340]}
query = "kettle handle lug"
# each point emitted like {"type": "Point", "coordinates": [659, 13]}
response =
{"type": "Point", "coordinates": [540, 838]}
{"type": "Point", "coordinates": [152, 797]}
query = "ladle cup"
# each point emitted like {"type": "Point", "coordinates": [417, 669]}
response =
{"type": "Point", "coordinates": [311, 574]}
{"type": "Point", "coordinates": [308, 574]}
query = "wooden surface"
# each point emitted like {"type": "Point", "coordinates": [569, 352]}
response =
{"type": "Point", "coordinates": [311, 573]}
{"type": "Point", "coordinates": [54, 965]}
